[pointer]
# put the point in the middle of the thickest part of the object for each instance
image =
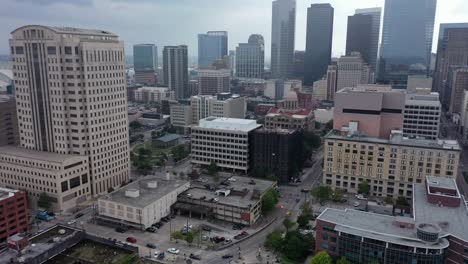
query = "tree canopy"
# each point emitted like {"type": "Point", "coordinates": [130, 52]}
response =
{"type": "Point", "coordinates": [269, 201]}
{"type": "Point", "coordinates": [364, 187]}
{"type": "Point", "coordinates": [322, 193]}
{"type": "Point", "coordinates": [321, 258]}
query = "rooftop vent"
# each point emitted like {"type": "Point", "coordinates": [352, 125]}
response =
{"type": "Point", "coordinates": [133, 193]}
{"type": "Point", "coordinates": [152, 184]}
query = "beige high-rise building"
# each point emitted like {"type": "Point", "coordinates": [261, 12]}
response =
{"type": "Point", "coordinates": [332, 76]}
{"type": "Point", "coordinates": [222, 105]}
{"type": "Point", "coordinates": [352, 70]}
{"type": "Point", "coordinates": [71, 98]}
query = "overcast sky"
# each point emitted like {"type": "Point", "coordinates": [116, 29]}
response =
{"type": "Point", "coordinates": [173, 22]}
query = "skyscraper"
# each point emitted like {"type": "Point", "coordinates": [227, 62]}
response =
{"type": "Point", "coordinates": [352, 70]}
{"type": "Point", "coordinates": [318, 42]}
{"type": "Point", "coordinates": [375, 13]}
{"type": "Point", "coordinates": [145, 63]}
{"type": "Point", "coordinates": [406, 40]}
{"type": "Point", "coordinates": [211, 46]}
{"type": "Point", "coordinates": [283, 28]}
{"type": "Point", "coordinates": [175, 69]}
{"type": "Point", "coordinates": [250, 57]}
{"type": "Point", "coordinates": [359, 35]}
{"type": "Point", "coordinates": [71, 99]}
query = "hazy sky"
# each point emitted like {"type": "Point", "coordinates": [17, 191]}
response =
{"type": "Point", "coordinates": [173, 22]}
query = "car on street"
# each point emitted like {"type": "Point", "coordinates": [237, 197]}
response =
{"type": "Point", "coordinates": [227, 256]}
{"type": "Point", "coordinates": [71, 222]}
{"type": "Point", "coordinates": [205, 237]}
{"type": "Point", "coordinates": [232, 179]}
{"type": "Point", "coordinates": [78, 215]}
{"type": "Point", "coordinates": [356, 204]}
{"type": "Point", "coordinates": [206, 228]}
{"type": "Point", "coordinates": [174, 251]}
{"type": "Point", "coordinates": [218, 239]}
{"type": "Point", "coordinates": [241, 235]}
{"type": "Point", "coordinates": [151, 229]}
{"type": "Point", "coordinates": [193, 256]}
{"type": "Point", "coordinates": [131, 239]}
{"type": "Point", "coordinates": [159, 255]}
{"type": "Point", "coordinates": [151, 245]}
{"type": "Point", "coordinates": [120, 230]}
{"type": "Point", "coordinates": [227, 241]}
{"type": "Point", "coordinates": [360, 197]}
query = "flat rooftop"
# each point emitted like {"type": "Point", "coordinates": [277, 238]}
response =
{"type": "Point", "coordinates": [7, 193]}
{"type": "Point", "coordinates": [36, 154]}
{"type": "Point", "coordinates": [441, 182]}
{"type": "Point", "coordinates": [147, 195]}
{"type": "Point", "coordinates": [402, 141]}
{"type": "Point", "coordinates": [224, 123]}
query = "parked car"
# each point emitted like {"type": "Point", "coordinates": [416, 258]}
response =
{"type": "Point", "coordinates": [78, 215]}
{"type": "Point", "coordinates": [159, 255]}
{"type": "Point", "coordinates": [241, 235]}
{"type": "Point", "coordinates": [71, 222]}
{"type": "Point", "coordinates": [206, 228]}
{"type": "Point", "coordinates": [174, 251]}
{"type": "Point", "coordinates": [150, 245]}
{"type": "Point", "coordinates": [227, 241]}
{"type": "Point", "coordinates": [204, 237]}
{"type": "Point", "coordinates": [360, 197]}
{"type": "Point", "coordinates": [218, 239]}
{"type": "Point", "coordinates": [356, 204]}
{"type": "Point", "coordinates": [151, 229]}
{"type": "Point", "coordinates": [165, 219]}
{"type": "Point", "coordinates": [227, 256]}
{"type": "Point", "coordinates": [131, 239]}
{"type": "Point", "coordinates": [193, 256]}
{"type": "Point", "coordinates": [120, 230]}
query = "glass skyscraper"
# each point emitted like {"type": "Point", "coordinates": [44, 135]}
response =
{"type": "Point", "coordinates": [145, 57]}
{"type": "Point", "coordinates": [211, 46]}
{"type": "Point", "coordinates": [283, 28]}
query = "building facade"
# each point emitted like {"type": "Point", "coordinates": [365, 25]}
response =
{"type": "Point", "coordinates": [283, 27]}
{"type": "Point", "coordinates": [181, 116]}
{"type": "Point", "coordinates": [213, 82]}
{"type": "Point", "coordinates": [375, 13]}
{"type": "Point", "coordinates": [332, 81]}
{"type": "Point", "coordinates": [319, 37]}
{"type": "Point", "coordinates": [222, 105]}
{"type": "Point", "coordinates": [352, 71]}
{"type": "Point", "coordinates": [224, 141]}
{"type": "Point", "coordinates": [278, 118]}
{"type": "Point", "coordinates": [14, 216]}
{"type": "Point", "coordinates": [456, 84]}
{"type": "Point", "coordinates": [175, 70]}
{"type": "Point", "coordinates": [212, 46]}
{"type": "Point", "coordinates": [359, 35]}
{"type": "Point", "coordinates": [145, 63]}
{"type": "Point", "coordinates": [77, 94]}
{"type": "Point", "coordinates": [422, 115]}
{"type": "Point", "coordinates": [153, 94]}
{"type": "Point", "coordinates": [9, 134]}
{"type": "Point", "coordinates": [250, 58]}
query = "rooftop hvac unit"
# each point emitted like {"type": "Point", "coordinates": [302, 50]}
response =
{"type": "Point", "coordinates": [133, 193]}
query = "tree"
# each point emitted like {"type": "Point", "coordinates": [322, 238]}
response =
{"type": "Point", "coordinates": [388, 200]}
{"type": "Point", "coordinates": [177, 235]}
{"type": "Point", "coordinates": [321, 258]}
{"type": "Point", "coordinates": [274, 241]}
{"type": "Point", "coordinates": [312, 140]}
{"type": "Point", "coordinates": [189, 237]}
{"type": "Point", "coordinates": [364, 187]}
{"type": "Point", "coordinates": [342, 260]}
{"type": "Point", "coordinates": [269, 201]}
{"type": "Point", "coordinates": [179, 153]}
{"type": "Point", "coordinates": [337, 196]}
{"type": "Point", "coordinates": [44, 201]}
{"type": "Point", "coordinates": [212, 168]}
{"type": "Point", "coordinates": [135, 125]}
{"type": "Point", "coordinates": [401, 201]}
{"type": "Point", "coordinates": [322, 193]}
{"type": "Point", "coordinates": [288, 224]}
{"type": "Point", "coordinates": [297, 246]}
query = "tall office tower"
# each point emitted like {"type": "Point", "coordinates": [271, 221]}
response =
{"type": "Point", "coordinates": [375, 13]}
{"type": "Point", "coordinates": [457, 84]}
{"type": "Point", "coordinates": [318, 42]}
{"type": "Point", "coordinates": [213, 82]}
{"type": "Point", "coordinates": [359, 35]}
{"type": "Point", "coordinates": [332, 81]}
{"type": "Point", "coordinates": [145, 63]}
{"type": "Point", "coordinates": [250, 58]}
{"type": "Point", "coordinates": [452, 50]}
{"type": "Point", "coordinates": [283, 26]}
{"type": "Point", "coordinates": [71, 98]}
{"type": "Point", "coordinates": [422, 114]}
{"type": "Point", "coordinates": [352, 70]}
{"type": "Point", "coordinates": [175, 69]}
{"type": "Point", "coordinates": [408, 51]}
{"type": "Point", "coordinates": [9, 134]}
{"type": "Point", "coordinates": [211, 46]}
{"type": "Point", "coordinates": [298, 65]}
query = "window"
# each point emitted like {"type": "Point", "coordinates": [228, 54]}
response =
{"type": "Point", "coordinates": [68, 50]}
{"type": "Point", "coordinates": [19, 50]}
{"type": "Point", "coordinates": [75, 182]}
{"type": "Point", "coordinates": [84, 178]}
{"type": "Point", "coordinates": [52, 50]}
{"type": "Point", "coordinates": [64, 186]}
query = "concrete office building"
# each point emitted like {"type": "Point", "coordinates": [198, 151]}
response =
{"type": "Point", "coordinates": [181, 116]}
{"type": "Point", "coordinates": [352, 71]}
{"type": "Point", "coordinates": [422, 115]}
{"type": "Point", "coordinates": [213, 82]}
{"type": "Point", "coordinates": [434, 233]}
{"type": "Point", "coordinates": [378, 109]}
{"type": "Point", "coordinates": [224, 141]}
{"type": "Point", "coordinates": [320, 89]}
{"type": "Point", "coordinates": [175, 69]}
{"type": "Point", "coordinates": [76, 103]}
{"type": "Point", "coordinates": [64, 178]}
{"type": "Point", "coordinates": [290, 119]}
{"type": "Point", "coordinates": [9, 134]}
{"type": "Point", "coordinates": [319, 37]}
{"type": "Point", "coordinates": [452, 50]}
{"type": "Point", "coordinates": [222, 105]}
{"type": "Point", "coordinates": [15, 217]}
{"type": "Point", "coordinates": [464, 120]}
{"type": "Point", "coordinates": [140, 204]}
{"type": "Point", "coordinates": [153, 94]}
{"type": "Point", "coordinates": [145, 63]}
{"type": "Point", "coordinates": [405, 52]}
{"type": "Point", "coordinates": [457, 84]}
{"type": "Point", "coordinates": [193, 87]}
{"type": "Point", "coordinates": [283, 27]}
{"type": "Point", "coordinates": [212, 46]}
{"type": "Point", "coordinates": [277, 152]}
{"type": "Point", "coordinates": [250, 58]}
{"type": "Point", "coordinates": [418, 81]}
{"type": "Point", "coordinates": [332, 81]}
{"type": "Point", "coordinates": [371, 56]}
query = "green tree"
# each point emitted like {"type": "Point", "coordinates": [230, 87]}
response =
{"type": "Point", "coordinates": [321, 258]}
{"type": "Point", "coordinates": [274, 241]}
{"type": "Point", "coordinates": [312, 140]}
{"type": "Point", "coordinates": [388, 200]}
{"type": "Point", "coordinates": [144, 152]}
{"type": "Point", "coordinates": [135, 125]}
{"type": "Point", "coordinates": [401, 201]}
{"type": "Point", "coordinates": [363, 187]}
{"type": "Point", "coordinates": [43, 201]}
{"type": "Point", "coordinates": [189, 237]}
{"type": "Point", "coordinates": [179, 153]}
{"type": "Point", "coordinates": [322, 193]}
{"type": "Point", "coordinates": [212, 168]}
{"type": "Point", "coordinates": [144, 166]}
{"type": "Point", "coordinates": [177, 235]}
{"type": "Point", "coordinates": [342, 260]}
{"type": "Point", "coordinates": [296, 246]}
{"type": "Point", "coordinates": [337, 196]}
{"type": "Point", "coordinates": [269, 201]}
{"type": "Point", "coordinates": [288, 224]}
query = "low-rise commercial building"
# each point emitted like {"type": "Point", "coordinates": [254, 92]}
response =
{"type": "Point", "coordinates": [221, 105]}
{"type": "Point", "coordinates": [140, 204]}
{"type": "Point", "coordinates": [390, 166]}
{"type": "Point", "coordinates": [181, 116]}
{"type": "Point", "coordinates": [64, 178]}
{"type": "Point", "coordinates": [13, 213]}
{"type": "Point", "coordinates": [435, 233]}
{"type": "Point", "coordinates": [422, 114]}
{"type": "Point", "coordinates": [153, 94]}
{"type": "Point", "coordinates": [289, 119]}
{"type": "Point", "coordinates": [224, 141]}
{"type": "Point", "coordinates": [214, 81]}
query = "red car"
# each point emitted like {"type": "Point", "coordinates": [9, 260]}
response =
{"type": "Point", "coordinates": [131, 239]}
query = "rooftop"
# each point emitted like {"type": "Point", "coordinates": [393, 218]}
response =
{"type": "Point", "coordinates": [224, 123]}
{"type": "Point", "coordinates": [36, 154]}
{"type": "Point", "coordinates": [151, 89]}
{"type": "Point", "coordinates": [7, 193]}
{"type": "Point", "coordinates": [402, 141]}
{"type": "Point", "coordinates": [441, 182]}
{"type": "Point", "coordinates": [168, 137]}
{"type": "Point", "coordinates": [147, 195]}
{"type": "Point", "coordinates": [74, 31]}
{"type": "Point", "coordinates": [296, 113]}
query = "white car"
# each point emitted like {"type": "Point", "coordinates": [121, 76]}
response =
{"type": "Point", "coordinates": [356, 204]}
{"type": "Point", "coordinates": [71, 222]}
{"type": "Point", "coordinates": [232, 179]}
{"type": "Point", "coordinates": [173, 251]}
{"type": "Point", "coordinates": [360, 197]}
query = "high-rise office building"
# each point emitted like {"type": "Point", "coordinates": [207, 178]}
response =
{"type": "Point", "coordinates": [375, 13]}
{"type": "Point", "coordinates": [250, 58]}
{"type": "Point", "coordinates": [422, 115]}
{"type": "Point", "coordinates": [352, 70]}
{"type": "Point", "coordinates": [298, 65]}
{"type": "Point", "coordinates": [71, 99]}
{"type": "Point", "coordinates": [213, 82]}
{"type": "Point", "coordinates": [457, 84]}
{"type": "Point", "coordinates": [359, 35]}
{"type": "Point", "coordinates": [211, 46]}
{"type": "Point", "coordinates": [452, 50]}
{"type": "Point", "coordinates": [318, 42]}
{"type": "Point", "coordinates": [9, 134]}
{"type": "Point", "coordinates": [408, 51]}
{"type": "Point", "coordinates": [175, 70]}
{"type": "Point", "coordinates": [283, 28]}
{"type": "Point", "coordinates": [332, 81]}
{"type": "Point", "coordinates": [221, 105]}
{"type": "Point", "coordinates": [145, 63]}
